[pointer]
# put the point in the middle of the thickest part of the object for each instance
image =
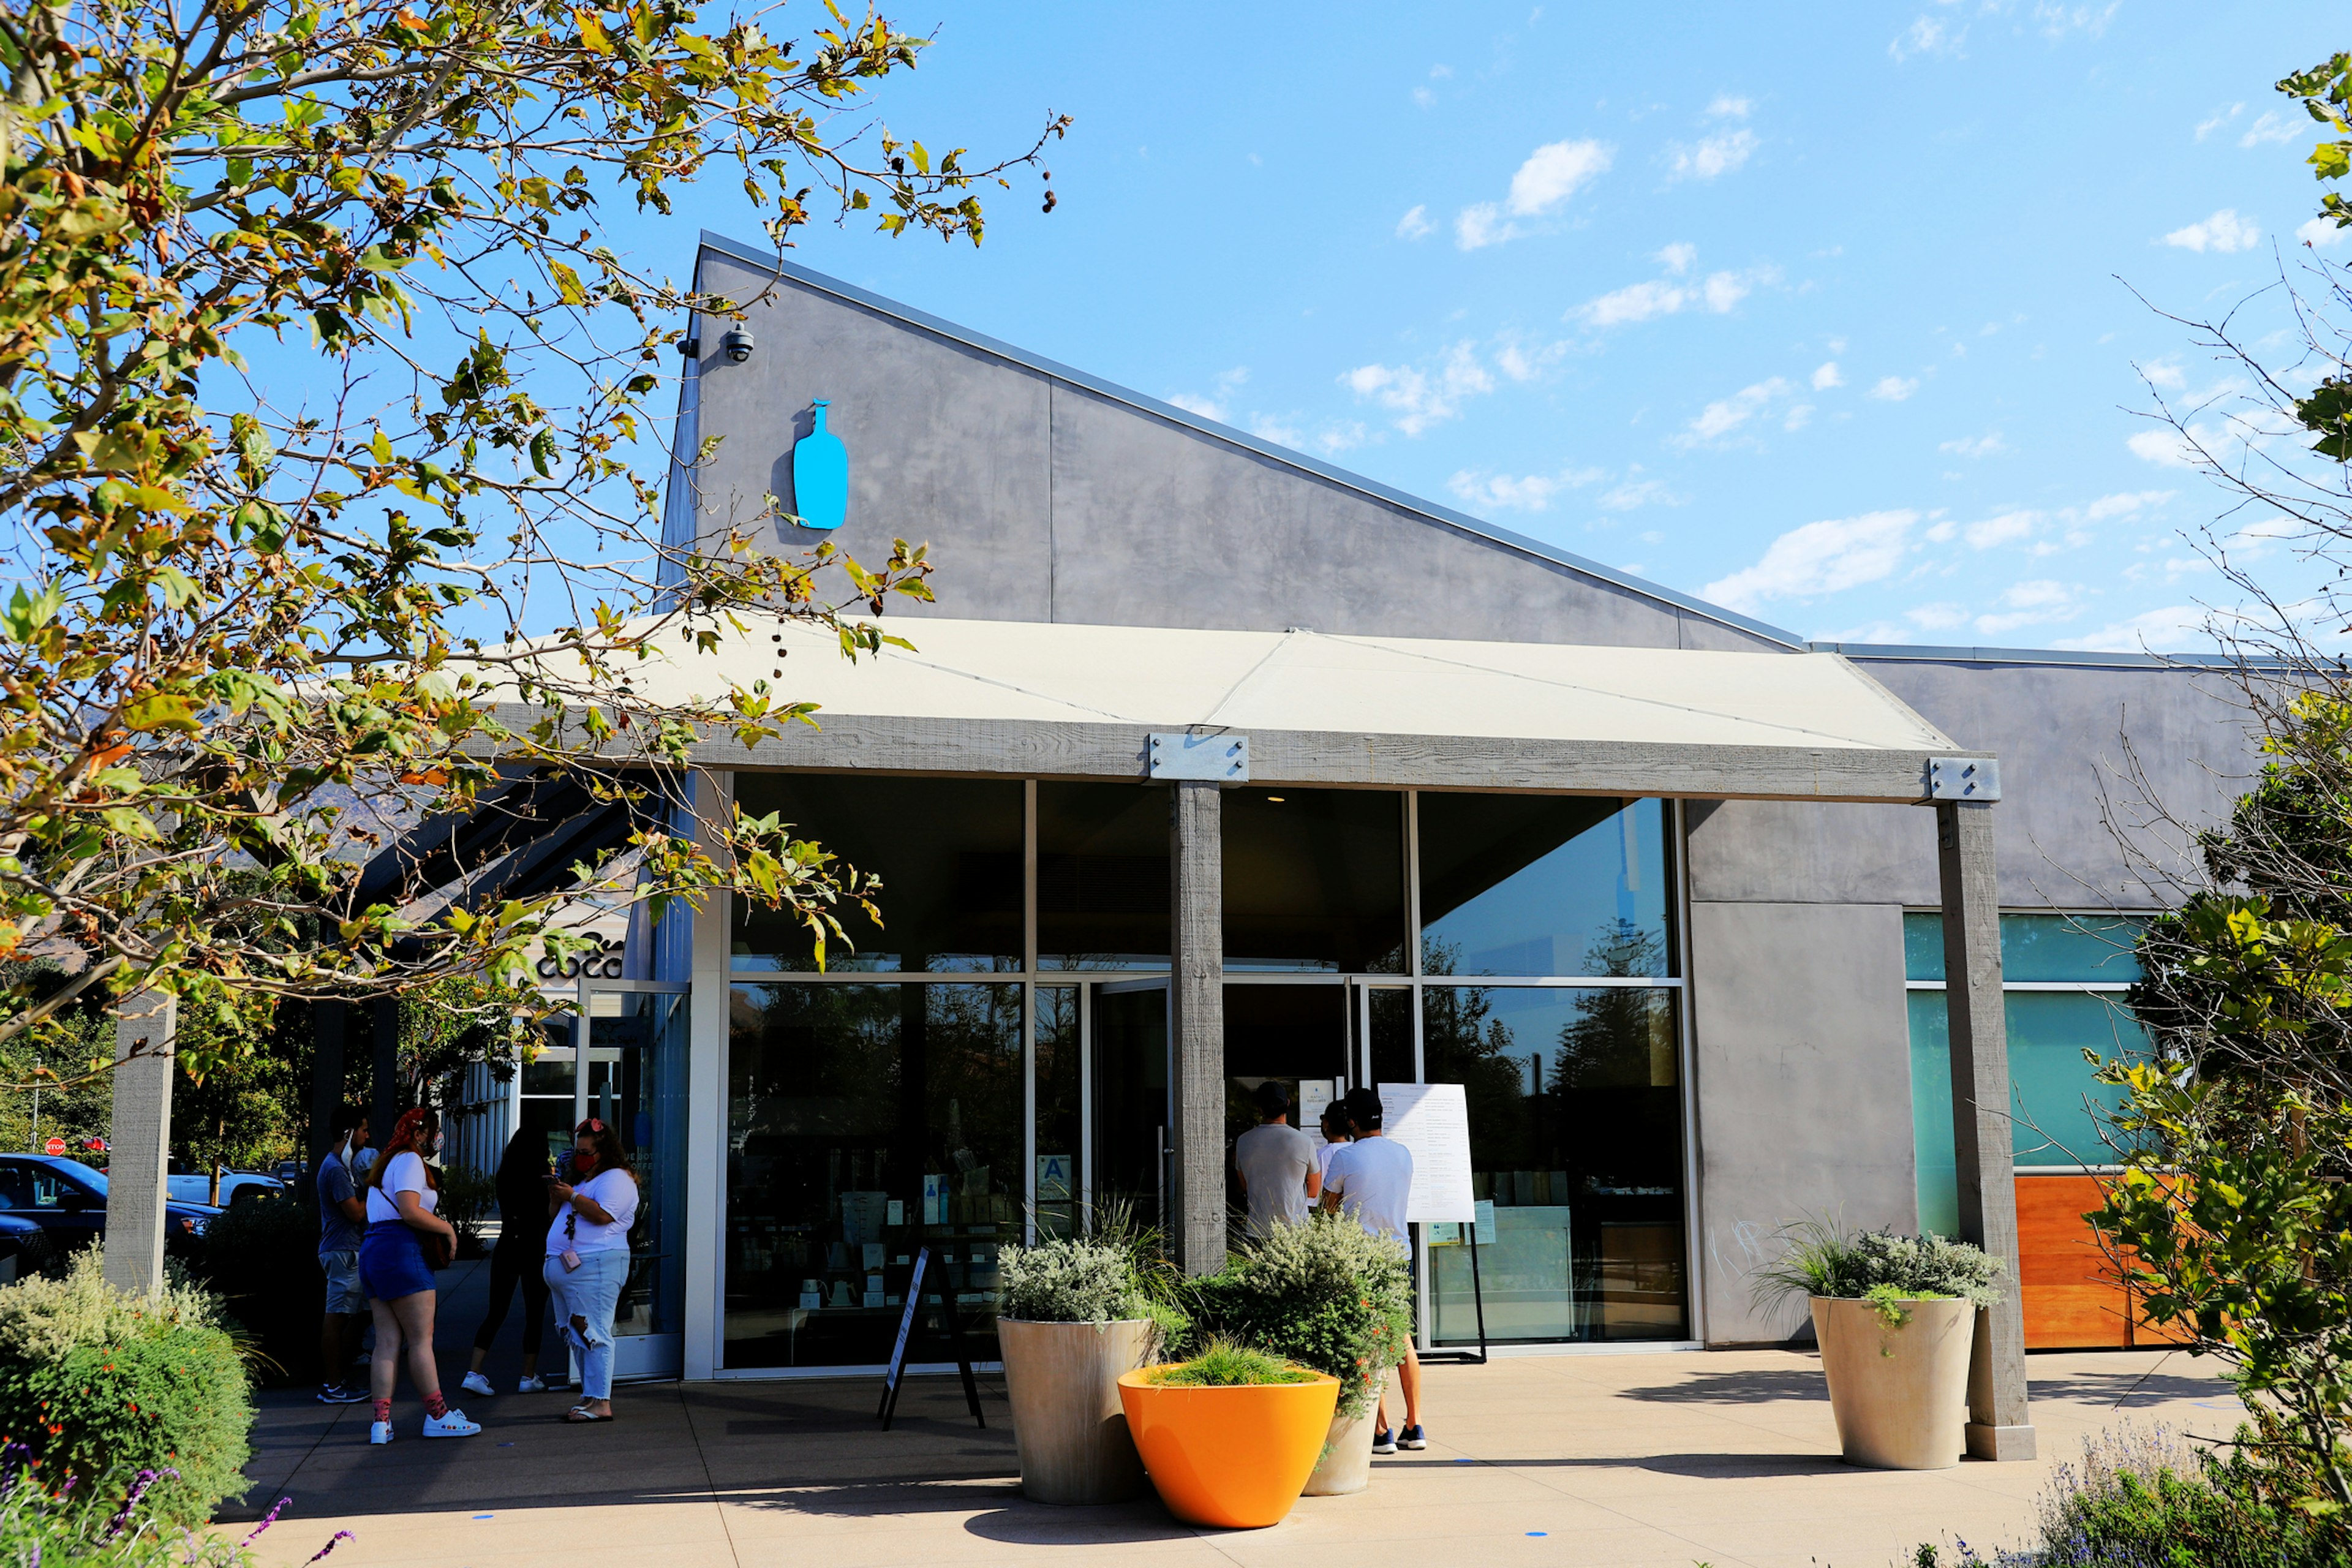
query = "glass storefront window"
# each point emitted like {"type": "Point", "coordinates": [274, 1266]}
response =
{"type": "Point", "coordinates": [2093, 948]}
{"type": "Point", "coordinates": [1060, 1128]}
{"type": "Point", "coordinates": [947, 852]}
{"type": "Point", "coordinates": [1314, 880]}
{"type": "Point", "coordinates": [865, 1120]}
{"type": "Point", "coordinates": [1102, 876]}
{"type": "Point", "coordinates": [1576, 1137]}
{"type": "Point", "coordinates": [1544, 884]}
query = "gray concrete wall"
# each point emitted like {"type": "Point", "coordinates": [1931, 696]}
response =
{"type": "Point", "coordinates": [1804, 1089]}
{"type": "Point", "coordinates": [1045, 500]}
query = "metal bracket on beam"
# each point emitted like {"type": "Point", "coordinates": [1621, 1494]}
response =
{"type": "Point", "coordinates": [1963, 778]}
{"type": "Point", "coordinates": [1221, 758]}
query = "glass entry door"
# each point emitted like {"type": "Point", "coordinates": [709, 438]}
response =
{"type": "Point", "coordinates": [1132, 1113]}
{"type": "Point", "coordinates": [634, 1082]}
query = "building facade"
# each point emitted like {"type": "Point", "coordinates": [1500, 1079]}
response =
{"type": "Point", "coordinates": [1652, 880]}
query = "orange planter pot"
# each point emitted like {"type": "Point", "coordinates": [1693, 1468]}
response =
{"type": "Point", "coordinates": [1232, 1458]}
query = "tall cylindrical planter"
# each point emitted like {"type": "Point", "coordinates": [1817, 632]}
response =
{"type": "Point", "coordinates": [1067, 1417]}
{"type": "Point", "coordinates": [1899, 1392]}
{"type": "Point", "coordinates": [1346, 1466]}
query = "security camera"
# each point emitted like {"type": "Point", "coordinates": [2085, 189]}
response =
{"type": "Point", "coordinates": [738, 344]}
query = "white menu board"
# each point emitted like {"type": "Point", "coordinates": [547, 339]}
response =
{"type": "Point", "coordinates": [1433, 1119]}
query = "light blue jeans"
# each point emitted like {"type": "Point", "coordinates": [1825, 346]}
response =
{"type": "Point", "coordinates": [590, 1293]}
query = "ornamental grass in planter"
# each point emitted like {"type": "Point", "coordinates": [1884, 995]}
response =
{"type": "Point", "coordinates": [1072, 1316]}
{"type": "Point", "coordinates": [1896, 1316]}
{"type": "Point", "coordinates": [1231, 1436]}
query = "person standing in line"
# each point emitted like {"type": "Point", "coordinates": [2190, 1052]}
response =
{"type": "Point", "coordinates": [341, 1213]}
{"type": "Point", "coordinates": [588, 1258]}
{"type": "Point", "coordinates": [1276, 1163]}
{"type": "Point", "coordinates": [1334, 1125]}
{"type": "Point", "coordinates": [403, 1192]}
{"type": "Point", "coordinates": [517, 1259]}
{"type": "Point", "coordinates": [1372, 1178]}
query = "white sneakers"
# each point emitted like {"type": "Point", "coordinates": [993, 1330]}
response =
{"type": "Point", "coordinates": [380, 1433]}
{"type": "Point", "coordinates": [451, 1424]}
{"type": "Point", "coordinates": [475, 1383]}
{"type": "Point", "coordinates": [533, 1385]}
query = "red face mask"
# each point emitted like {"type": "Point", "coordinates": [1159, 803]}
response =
{"type": "Point", "coordinates": [583, 1161]}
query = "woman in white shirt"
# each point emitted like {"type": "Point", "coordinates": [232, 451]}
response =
{"type": "Point", "coordinates": [403, 1192]}
{"type": "Point", "coordinates": [588, 1258]}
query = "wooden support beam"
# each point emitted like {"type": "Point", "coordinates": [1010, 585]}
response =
{"type": "Point", "coordinates": [1196, 1024]}
{"type": "Point", "coordinates": [1999, 1426]}
{"type": "Point", "coordinates": [139, 1140]}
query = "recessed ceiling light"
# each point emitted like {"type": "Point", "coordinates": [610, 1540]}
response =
{"type": "Point", "coordinates": [1276, 798]}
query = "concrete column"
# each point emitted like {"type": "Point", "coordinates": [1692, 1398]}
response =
{"type": "Point", "coordinates": [702, 1312]}
{"type": "Point", "coordinates": [384, 1105]}
{"type": "Point", "coordinates": [327, 1021]}
{"type": "Point", "coordinates": [1999, 1426]}
{"type": "Point", "coordinates": [1196, 1024]}
{"type": "Point", "coordinates": [139, 1140]}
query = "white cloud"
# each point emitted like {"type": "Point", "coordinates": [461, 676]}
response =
{"type": "Point", "coordinates": [1417, 398]}
{"type": "Point", "coordinates": [2058, 20]}
{"type": "Point", "coordinates": [2124, 504]}
{"type": "Point", "coordinates": [1944, 533]}
{"type": "Point", "coordinates": [1797, 418]}
{"type": "Point", "coordinates": [2321, 234]}
{"type": "Point", "coordinates": [2272, 127]}
{"type": "Point", "coordinates": [1720, 419]}
{"type": "Point", "coordinates": [1926, 36]}
{"type": "Point", "coordinates": [1634, 493]}
{"type": "Point", "coordinates": [1893, 389]}
{"type": "Point", "coordinates": [2164, 445]}
{"type": "Point", "coordinates": [1827, 376]}
{"type": "Point", "coordinates": [1819, 558]}
{"type": "Point", "coordinates": [1552, 173]}
{"type": "Point", "coordinates": [1714, 156]}
{"type": "Point", "coordinates": [2002, 530]}
{"type": "Point", "coordinates": [2171, 629]}
{"type": "Point", "coordinates": [1726, 107]}
{"type": "Point", "coordinates": [1216, 405]}
{"type": "Point", "coordinates": [2164, 372]}
{"type": "Point", "coordinates": [1936, 617]}
{"type": "Point", "coordinates": [1530, 492]}
{"type": "Point", "coordinates": [1634, 303]}
{"type": "Point", "coordinates": [1415, 224]}
{"type": "Point", "coordinates": [1724, 290]}
{"type": "Point", "coordinates": [1677, 257]}
{"type": "Point", "coordinates": [2225, 231]}
{"type": "Point", "coordinates": [2207, 128]}
{"type": "Point", "coordinates": [2030, 604]}
{"type": "Point", "coordinates": [1719, 293]}
{"type": "Point", "coordinates": [1423, 98]}
{"type": "Point", "coordinates": [1988, 444]}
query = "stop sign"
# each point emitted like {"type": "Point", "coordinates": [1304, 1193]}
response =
{"type": "Point", "coordinates": [54, 1146]}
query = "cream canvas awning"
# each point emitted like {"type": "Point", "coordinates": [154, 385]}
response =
{"type": "Point", "coordinates": [1058, 698]}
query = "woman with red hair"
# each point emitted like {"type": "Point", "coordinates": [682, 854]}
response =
{"type": "Point", "coordinates": [402, 1191]}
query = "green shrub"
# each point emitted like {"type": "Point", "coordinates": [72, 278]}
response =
{"type": "Point", "coordinates": [1327, 1294]}
{"type": "Point", "coordinates": [262, 1260]}
{"type": "Point", "coordinates": [1223, 1365]}
{"type": "Point", "coordinates": [41, 1530]}
{"type": "Point", "coordinates": [98, 1384]}
{"type": "Point", "coordinates": [1821, 1260]}
{"type": "Point", "coordinates": [467, 1198]}
{"type": "Point", "coordinates": [1118, 1273]}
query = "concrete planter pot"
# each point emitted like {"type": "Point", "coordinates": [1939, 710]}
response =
{"type": "Point", "coordinates": [1345, 1467]}
{"type": "Point", "coordinates": [1234, 1458]}
{"type": "Point", "coordinates": [1068, 1422]}
{"type": "Point", "coordinates": [1900, 1393]}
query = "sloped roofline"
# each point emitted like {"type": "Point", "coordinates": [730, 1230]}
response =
{"type": "Point", "coordinates": [1463, 521]}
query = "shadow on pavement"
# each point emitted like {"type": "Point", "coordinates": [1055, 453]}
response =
{"type": "Point", "coordinates": [1738, 1387]}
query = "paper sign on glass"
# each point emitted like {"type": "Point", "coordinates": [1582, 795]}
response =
{"type": "Point", "coordinates": [1433, 1119]}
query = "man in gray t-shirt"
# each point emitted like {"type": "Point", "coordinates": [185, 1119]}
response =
{"type": "Point", "coordinates": [1276, 1161]}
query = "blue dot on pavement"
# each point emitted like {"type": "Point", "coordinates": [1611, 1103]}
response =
{"type": "Point", "coordinates": [1539, 1533]}
{"type": "Point", "coordinates": [486, 1515]}
{"type": "Point", "coordinates": [1465, 1461]}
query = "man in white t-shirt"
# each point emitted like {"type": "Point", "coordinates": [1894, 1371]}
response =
{"type": "Point", "coordinates": [1276, 1163]}
{"type": "Point", "coordinates": [1371, 1179]}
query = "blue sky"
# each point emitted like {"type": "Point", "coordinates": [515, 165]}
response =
{"type": "Point", "coordinates": [1824, 312]}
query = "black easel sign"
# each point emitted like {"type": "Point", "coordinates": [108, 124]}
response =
{"type": "Point", "coordinates": [949, 1326]}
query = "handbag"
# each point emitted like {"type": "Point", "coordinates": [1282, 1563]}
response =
{"type": "Point", "coordinates": [440, 1251]}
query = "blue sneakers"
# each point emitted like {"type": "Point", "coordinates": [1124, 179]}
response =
{"type": "Point", "coordinates": [1410, 1437]}
{"type": "Point", "coordinates": [1384, 1441]}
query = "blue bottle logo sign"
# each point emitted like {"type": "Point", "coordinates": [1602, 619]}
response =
{"type": "Point", "coordinates": [820, 476]}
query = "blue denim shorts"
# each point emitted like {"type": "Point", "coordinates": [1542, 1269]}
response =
{"type": "Point", "coordinates": [392, 1261]}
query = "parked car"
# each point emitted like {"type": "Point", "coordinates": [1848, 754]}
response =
{"type": "Point", "coordinates": [23, 1246]}
{"type": "Point", "coordinates": [289, 1172]}
{"type": "Point", "coordinates": [187, 1186]}
{"type": "Point", "coordinates": [68, 1201]}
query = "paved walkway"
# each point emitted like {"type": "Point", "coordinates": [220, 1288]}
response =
{"type": "Point", "coordinates": [1723, 1458]}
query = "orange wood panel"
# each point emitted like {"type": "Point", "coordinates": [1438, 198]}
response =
{"type": "Point", "coordinates": [2072, 1298]}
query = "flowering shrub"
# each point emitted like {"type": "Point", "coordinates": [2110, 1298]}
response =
{"type": "Point", "coordinates": [69, 1530]}
{"type": "Point", "coordinates": [1327, 1294]}
{"type": "Point", "coordinates": [96, 1385]}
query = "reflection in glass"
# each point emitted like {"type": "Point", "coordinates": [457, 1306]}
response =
{"type": "Point", "coordinates": [1102, 876]}
{"type": "Point", "coordinates": [1543, 885]}
{"type": "Point", "coordinates": [1060, 1185]}
{"type": "Point", "coordinates": [947, 852]}
{"type": "Point", "coordinates": [1576, 1137]}
{"type": "Point", "coordinates": [2094, 948]}
{"type": "Point", "coordinates": [1297, 1036]}
{"type": "Point", "coordinates": [1132, 1108]}
{"type": "Point", "coordinates": [1314, 879]}
{"type": "Point", "coordinates": [637, 1087]}
{"type": "Point", "coordinates": [864, 1121]}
